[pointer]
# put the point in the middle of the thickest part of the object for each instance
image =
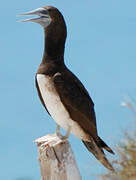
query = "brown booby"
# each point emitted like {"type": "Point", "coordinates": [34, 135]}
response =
{"type": "Point", "coordinates": [60, 91]}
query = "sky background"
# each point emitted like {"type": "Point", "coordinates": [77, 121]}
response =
{"type": "Point", "coordinates": [100, 50]}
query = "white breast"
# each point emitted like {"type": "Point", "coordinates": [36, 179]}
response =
{"type": "Point", "coordinates": [55, 106]}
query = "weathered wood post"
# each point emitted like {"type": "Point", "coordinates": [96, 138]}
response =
{"type": "Point", "coordinates": [56, 159]}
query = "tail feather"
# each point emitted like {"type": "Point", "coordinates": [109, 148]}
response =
{"type": "Point", "coordinates": [98, 153]}
{"type": "Point", "coordinates": [105, 146]}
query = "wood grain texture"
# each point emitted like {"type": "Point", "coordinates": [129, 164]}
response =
{"type": "Point", "coordinates": [56, 159]}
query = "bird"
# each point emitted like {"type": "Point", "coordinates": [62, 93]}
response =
{"type": "Point", "coordinates": [61, 93]}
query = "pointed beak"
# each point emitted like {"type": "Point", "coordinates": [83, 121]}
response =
{"type": "Point", "coordinates": [41, 12]}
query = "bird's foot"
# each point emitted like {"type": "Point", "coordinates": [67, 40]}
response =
{"type": "Point", "coordinates": [63, 138]}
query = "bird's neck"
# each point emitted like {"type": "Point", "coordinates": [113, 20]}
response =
{"type": "Point", "coordinates": [55, 36]}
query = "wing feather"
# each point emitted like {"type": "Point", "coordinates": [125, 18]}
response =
{"type": "Point", "coordinates": [77, 101]}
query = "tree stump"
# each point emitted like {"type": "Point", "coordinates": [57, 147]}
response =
{"type": "Point", "coordinates": [56, 159]}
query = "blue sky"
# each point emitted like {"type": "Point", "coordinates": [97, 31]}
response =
{"type": "Point", "coordinates": [100, 50]}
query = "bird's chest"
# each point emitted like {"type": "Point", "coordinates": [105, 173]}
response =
{"type": "Point", "coordinates": [55, 107]}
{"type": "Point", "coordinates": [52, 100]}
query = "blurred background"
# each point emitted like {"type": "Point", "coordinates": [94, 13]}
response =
{"type": "Point", "coordinates": [100, 50]}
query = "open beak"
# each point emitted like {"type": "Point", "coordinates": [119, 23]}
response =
{"type": "Point", "coordinates": [42, 14]}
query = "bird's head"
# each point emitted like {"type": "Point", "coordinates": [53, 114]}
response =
{"type": "Point", "coordinates": [54, 26]}
{"type": "Point", "coordinates": [45, 15]}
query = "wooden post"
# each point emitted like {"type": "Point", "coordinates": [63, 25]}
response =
{"type": "Point", "coordinates": [56, 159]}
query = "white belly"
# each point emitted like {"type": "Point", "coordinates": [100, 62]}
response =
{"type": "Point", "coordinates": [55, 106]}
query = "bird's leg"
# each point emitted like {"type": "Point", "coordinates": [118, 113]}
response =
{"type": "Point", "coordinates": [58, 131]}
{"type": "Point", "coordinates": [60, 135]}
{"type": "Point", "coordinates": [67, 134]}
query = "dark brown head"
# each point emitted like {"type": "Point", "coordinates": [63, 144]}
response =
{"type": "Point", "coordinates": [54, 13]}
{"type": "Point", "coordinates": [51, 19]}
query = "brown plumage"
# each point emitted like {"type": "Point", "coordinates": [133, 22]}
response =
{"type": "Point", "coordinates": [66, 86]}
